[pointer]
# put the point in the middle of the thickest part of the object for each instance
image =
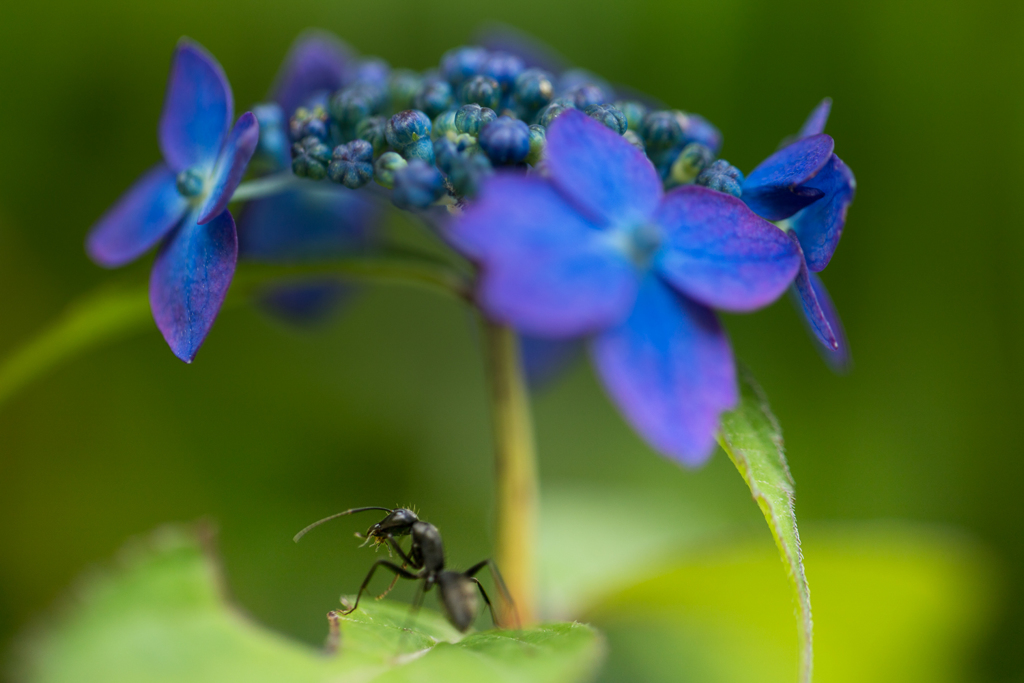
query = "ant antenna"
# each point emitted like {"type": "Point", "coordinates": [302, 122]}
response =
{"type": "Point", "coordinates": [335, 516]}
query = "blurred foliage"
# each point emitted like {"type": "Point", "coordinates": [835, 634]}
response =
{"type": "Point", "coordinates": [272, 428]}
{"type": "Point", "coordinates": [162, 617]}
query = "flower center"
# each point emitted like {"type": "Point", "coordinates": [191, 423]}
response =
{"type": "Point", "coordinates": [639, 242]}
{"type": "Point", "coordinates": [190, 183]}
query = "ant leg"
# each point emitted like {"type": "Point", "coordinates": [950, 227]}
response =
{"type": "Point", "coordinates": [379, 563]}
{"type": "Point", "coordinates": [494, 619]}
{"type": "Point", "coordinates": [387, 590]}
{"type": "Point", "coordinates": [499, 582]}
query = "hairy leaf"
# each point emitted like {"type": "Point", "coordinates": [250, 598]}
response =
{"type": "Point", "coordinates": [162, 617]}
{"type": "Point", "coordinates": [751, 436]}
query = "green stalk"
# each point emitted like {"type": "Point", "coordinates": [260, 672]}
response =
{"type": "Point", "coordinates": [113, 313]}
{"type": "Point", "coordinates": [515, 465]}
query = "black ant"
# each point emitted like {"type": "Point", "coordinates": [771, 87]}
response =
{"type": "Point", "coordinates": [426, 555]}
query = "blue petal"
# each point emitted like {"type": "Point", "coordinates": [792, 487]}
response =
{"type": "Point", "coordinates": [811, 297]}
{"type": "Point", "coordinates": [670, 370]}
{"type": "Point", "coordinates": [317, 221]}
{"type": "Point", "coordinates": [818, 323]}
{"type": "Point", "coordinates": [316, 62]}
{"type": "Point", "coordinates": [231, 166]}
{"type": "Point", "coordinates": [815, 123]}
{"type": "Point", "coordinates": [603, 174]}
{"type": "Point", "coordinates": [545, 360]}
{"type": "Point", "coordinates": [189, 281]}
{"type": "Point", "coordinates": [820, 225]}
{"type": "Point", "coordinates": [198, 109]}
{"type": "Point", "coordinates": [776, 188]}
{"type": "Point", "coordinates": [721, 253]}
{"type": "Point", "coordinates": [141, 217]}
{"type": "Point", "coordinates": [545, 269]}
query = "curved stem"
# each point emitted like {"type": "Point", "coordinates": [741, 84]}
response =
{"type": "Point", "coordinates": [265, 187]}
{"type": "Point", "coordinates": [515, 465]}
{"type": "Point", "coordinates": [114, 312]}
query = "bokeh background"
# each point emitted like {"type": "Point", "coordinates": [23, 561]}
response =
{"type": "Point", "coordinates": [908, 470]}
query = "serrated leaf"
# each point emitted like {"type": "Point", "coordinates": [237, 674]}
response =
{"type": "Point", "coordinates": [751, 436]}
{"type": "Point", "coordinates": [162, 618]}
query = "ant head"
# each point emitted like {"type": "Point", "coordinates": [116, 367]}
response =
{"type": "Point", "coordinates": [398, 523]}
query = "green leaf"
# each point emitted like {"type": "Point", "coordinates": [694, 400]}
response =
{"type": "Point", "coordinates": [893, 603]}
{"type": "Point", "coordinates": [751, 436]}
{"type": "Point", "coordinates": [162, 618]}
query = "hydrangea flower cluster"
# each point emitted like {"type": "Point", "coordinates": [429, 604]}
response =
{"type": "Point", "coordinates": [588, 213]}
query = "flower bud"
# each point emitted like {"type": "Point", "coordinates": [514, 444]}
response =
{"type": "Point", "coordinates": [444, 124]}
{"type": "Point", "coordinates": [634, 113]}
{"type": "Point", "coordinates": [691, 161]}
{"type": "Point", "coordinates": [308, 122]}
{"type": "Point", "coordinates": [372, 130]}
{"type": "Point", "coordinates": [662, 130]}
{"type": "Point", "coordinates": [372, 71]}
{"type": "Point", "coordinates": [538, 139]}
{"type": "Point", "coordinates": [471, 118]}
{"type": "Point", "coordinates": [468, 171]}
{"type": "Point", "coordinates": [461, 63]}
{"type": "Point", "coordinates": [503, 68]}
{"type": "Point", "coordinates": [505, 141]}
{"type": "Point", "coordinates": [310, 158]}
{"type": "Point", "coordinates": [355, 103]}
{"type": "Point", "coordinates": [533, 89]}
{"type": "Point", "coordinates": [352, 164]}
{"type": "Point", "coordinates": [587, 94]}
{"type": "Point", "coordinates": [547, 115]}
{"type": "Point", "coordinates": [407, 127]}
{"type": "Point", "coordinates": [385, 168]}
{"type": "Point", "coordinates": [608, 115]}
{"type": "Point", "coordinates": [418, 185]}
{"type": "Point", "coordinates": [482, 90]}
{"type": "Point", "coordinates": [722, 176]}
{"type": "Point", "coordinates": [434, 97]}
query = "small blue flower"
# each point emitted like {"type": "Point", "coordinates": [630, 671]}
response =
{"type": "Point", "coordinates": [597, 248]}
{"type": "Point", "coordinates": [418, 185]}
{"type": "Point", "coordinates": [809, 190]}
{"type": "Point", "coordinates": [182, 202]}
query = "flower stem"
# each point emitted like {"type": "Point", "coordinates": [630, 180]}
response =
{"type": "Point", "coordinates": [264, 187]}
{"type": "Point", "coordinates": [515, 466]}
{"type": "Point", "coordinates": [115, 312]}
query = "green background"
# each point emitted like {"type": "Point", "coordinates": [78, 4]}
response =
{"type": "Point", "coordinates": [273, 427]}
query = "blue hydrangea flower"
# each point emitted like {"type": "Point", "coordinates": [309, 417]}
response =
{"type": "Point", "coordinates": [318, 220]}
{"type": "Point", "coordinates": [182, 202]}
{"type": "Point", "coordinates": [598, 249]}
{"type": "Point", "coordinates": [809, 190]}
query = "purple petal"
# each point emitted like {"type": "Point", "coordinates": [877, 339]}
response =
{"type": "Point", "coordinates": [141, 217]}
{"type": "Point", "coordinates": [815, 123]}
{"type": "Point", "coordinates": [189, 281]}
{"type": "Point", "coordinates": [545, 360]}
{"type": "Point", "coordinates": [600, 171]}
{"type": "Point", "coordinates": [545, 269]}
{"type": "Point", "coordinates": [198, 109]}
{"type": "Point", "coordinates": [231, 165]}
{"type": "Point", "coordinates": [670, 370]}
{"type": "Point", "coordinates": [776, 188]}
{"type": "Point", "coordinates": [820, 225]}
{"type": "Point", "coordinates": [721, 253]}
{"type": "Point", "coordinates": [814, 315]}
{"type": "Point", "coordinates": [813, 300]}
{"type": "Point", "coordinates": [316, 62]}
{"type": "Point", "coordinates": [313, 222]}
